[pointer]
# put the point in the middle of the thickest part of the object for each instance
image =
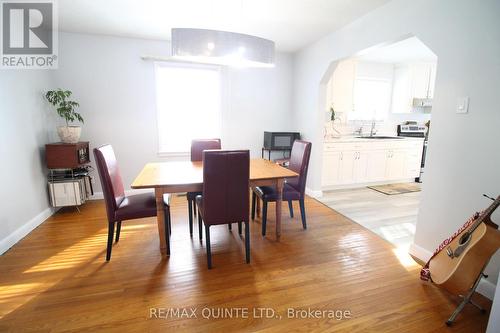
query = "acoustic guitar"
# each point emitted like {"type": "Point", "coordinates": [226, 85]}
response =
{"type": "Point", "coordinates": [457, 266]}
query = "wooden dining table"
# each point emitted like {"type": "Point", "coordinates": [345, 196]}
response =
{"type": "Point", "coordinates": [186, 176]}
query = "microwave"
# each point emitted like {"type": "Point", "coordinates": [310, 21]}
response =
{"type": "Point", "coordinates": [280, 140]}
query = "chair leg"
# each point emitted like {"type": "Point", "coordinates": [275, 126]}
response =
{"type": "Point", "coordinates": [111, 231]}
{"type": "Point", "coordinates": [195, 208]}
{"type": "Point", "coordinates": [290, 207]}
{"type": "Point", "coordinates": [239, 228]}
{"type": "Point", "coordinates": [118, 229]}
{"type": "Point", "coordinates": [253, 205]}
{"type": "Point", "coordinates": [247, 242]}
{"type": "Point", "coordinates": [209, 252]}
{"type": "Point", "coordinates": [303, 213]}
{"type": "Point", "coordinates": [190, 209]}
{"type": "Point", "coordinates": [200, 222]}
{"type": "Point", "coordinates": [264, 217]}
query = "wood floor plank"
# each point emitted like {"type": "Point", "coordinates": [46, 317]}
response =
{"type": "Point", "coordinates": [56, 279]}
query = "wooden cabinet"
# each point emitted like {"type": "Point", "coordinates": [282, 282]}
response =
{"type": "Point", "coordinates": [67, 155]}
{"type": "Point", "coordinates": [351, 163]}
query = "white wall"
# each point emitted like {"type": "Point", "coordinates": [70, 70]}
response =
{"type": "Point", "coordinates": [25, 124]}
{"type": "Point", "coordinates": [494, 322]}
{"type": "Point", "coordinates": [116, 91]}
{"type": "Point", "coordinates": [463, 156]}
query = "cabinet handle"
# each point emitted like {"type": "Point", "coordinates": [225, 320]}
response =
{"type": "Point", "coordinates": [341, 156]}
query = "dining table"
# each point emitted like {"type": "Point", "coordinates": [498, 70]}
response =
{"type": "Point", "coordinates": [187, 176]}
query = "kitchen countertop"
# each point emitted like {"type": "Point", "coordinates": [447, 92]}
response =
{"type": "Point", "coordinates": [357, 139]}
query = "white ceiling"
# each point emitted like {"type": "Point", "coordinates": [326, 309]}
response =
{"type": "Point", "coordinates": [292, 24]}
{"type": "Point", "coordinates": [407, 50]}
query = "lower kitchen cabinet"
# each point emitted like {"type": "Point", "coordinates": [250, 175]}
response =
{"type": "Point", "coordinates": [346, 163]}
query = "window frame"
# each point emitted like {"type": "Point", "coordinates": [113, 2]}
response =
{"type": "Point", "coordinates": [182, 64]}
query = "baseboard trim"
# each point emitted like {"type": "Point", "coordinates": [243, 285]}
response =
{"type": "Point", "coordinates": [100, 195]}
{"type": "Point", "coordinates": [314, 193]}
{"type": "Point", "coordinates": [485, 287]}
{"type": "Point", "coordinates": [25, 229]}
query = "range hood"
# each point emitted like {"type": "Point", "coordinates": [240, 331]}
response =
{"type": "Point", "coordinates": [422, 102]}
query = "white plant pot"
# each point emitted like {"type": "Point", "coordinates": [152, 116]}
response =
{"type": "Point", "coordinates": [69, 134]}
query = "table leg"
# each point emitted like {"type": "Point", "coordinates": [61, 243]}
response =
{"type": "Point", "coordinates": [279, 200]}
{"type": "Point", "coordinates": [160, 219]}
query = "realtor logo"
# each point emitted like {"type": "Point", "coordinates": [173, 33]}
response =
{"type": "Point", "coordinates": [28, 34]}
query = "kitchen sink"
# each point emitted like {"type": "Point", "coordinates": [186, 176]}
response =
{"type": "Point", "coordinates": [380, 137]}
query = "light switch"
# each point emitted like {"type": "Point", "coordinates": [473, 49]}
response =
{"type": "Point", "coordinates": [463, 104]}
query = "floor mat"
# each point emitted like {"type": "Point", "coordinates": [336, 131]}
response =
{"type": "Point", "coordinates": [399, 188]}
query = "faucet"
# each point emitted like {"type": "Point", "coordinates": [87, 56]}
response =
{"type": "Point", "coordinates": [373, 131]}
{"type": "Point", "coordinates": [359, 131]}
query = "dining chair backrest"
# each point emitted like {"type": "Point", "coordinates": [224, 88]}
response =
{"type": "Point", "coordinates": [299, 162]}
{"type": "Point", "coordinates": [111, 180]}
{"type": "Point", "coordinates": [225, 186]}
{"type": "Point", "coordinates": [199, 145]}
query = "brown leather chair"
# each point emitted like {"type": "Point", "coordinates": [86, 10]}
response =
{"type": "Point", "coordinates": [225, 193]}
{"type": "Point", "coordinates": [120, 207]}
{"type": "Point", "coordinates": [197, 148]}
{"type": "Point", "coordinates": [294, 188]}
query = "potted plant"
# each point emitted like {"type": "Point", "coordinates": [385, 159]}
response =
{"type": "Point", "coordinates": [66, 109]}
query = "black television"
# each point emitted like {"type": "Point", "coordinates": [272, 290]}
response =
{"type": "Point", "coordinates": [280, 140]}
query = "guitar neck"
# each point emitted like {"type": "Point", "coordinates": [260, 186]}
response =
{"type": "Point", "coordinates": [485, 215]}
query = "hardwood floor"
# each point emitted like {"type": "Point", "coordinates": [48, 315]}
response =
{"type": "Point", "coordinates": [56, 279]}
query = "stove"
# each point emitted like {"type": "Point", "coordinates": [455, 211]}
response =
{"type": "Point", "coordinates": [416, 131]}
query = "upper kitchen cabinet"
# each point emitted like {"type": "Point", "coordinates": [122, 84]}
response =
{"type": "Point", "coordinates": [340, 87]}
{"type": "Point", "coordinates": [423, 80]}
{"type": "Point", "coordinates": [411, 82]}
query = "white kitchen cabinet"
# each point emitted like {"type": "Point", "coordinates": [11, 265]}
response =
{"type": "Point", "coordinates": [432, 79]}
{"type": "Point", "coordinates": [331, 167]}
{"type": "Point", "coordinates": [376, 165]}
{"type": "Point", "coordinates": [396, 164]}
{"type": "Point", "coordinates": [368, 161]}
{"type": "Point", "coordinates": [347, 160]}
{"type": "Point", "coordinates": [423, 77]}
{"type": "Point", "coordinates": [341, 87]}
{"type": "Point", "coordinates": [412, 81]}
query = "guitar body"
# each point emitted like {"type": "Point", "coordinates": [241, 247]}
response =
{"type": "Point", "coordinates": [458, 274]}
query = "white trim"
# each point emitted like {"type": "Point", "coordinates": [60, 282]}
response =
{"type": "Point", "coordinates": [100, 195]}
{"type": "Point", "coordinates": [419, 252]}
{"type": "Point", "coordinates": [314, 193]}
{"type": "Point", "coordinates": [24, 230]}
{"type": "Point", "coordinates": [173, 154]}
{"type": "Point", "coordinates": [485, 287]}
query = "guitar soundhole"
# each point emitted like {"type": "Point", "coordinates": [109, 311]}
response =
{"type": "Point", "coordinates": [464, 239]}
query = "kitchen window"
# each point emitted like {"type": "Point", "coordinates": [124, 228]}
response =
{"type": "Point", "coordinates": [188, 101]}
{"type": "Point", "coordinates": [372, 98]}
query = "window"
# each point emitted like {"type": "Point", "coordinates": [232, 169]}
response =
{"type": "Point", "coordinates": [372, 98]}
{"type": "Point", "coordinates": [188, 98]}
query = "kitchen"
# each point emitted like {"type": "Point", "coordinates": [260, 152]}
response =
{"type": "Point", "coordinates": [377, 121]}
